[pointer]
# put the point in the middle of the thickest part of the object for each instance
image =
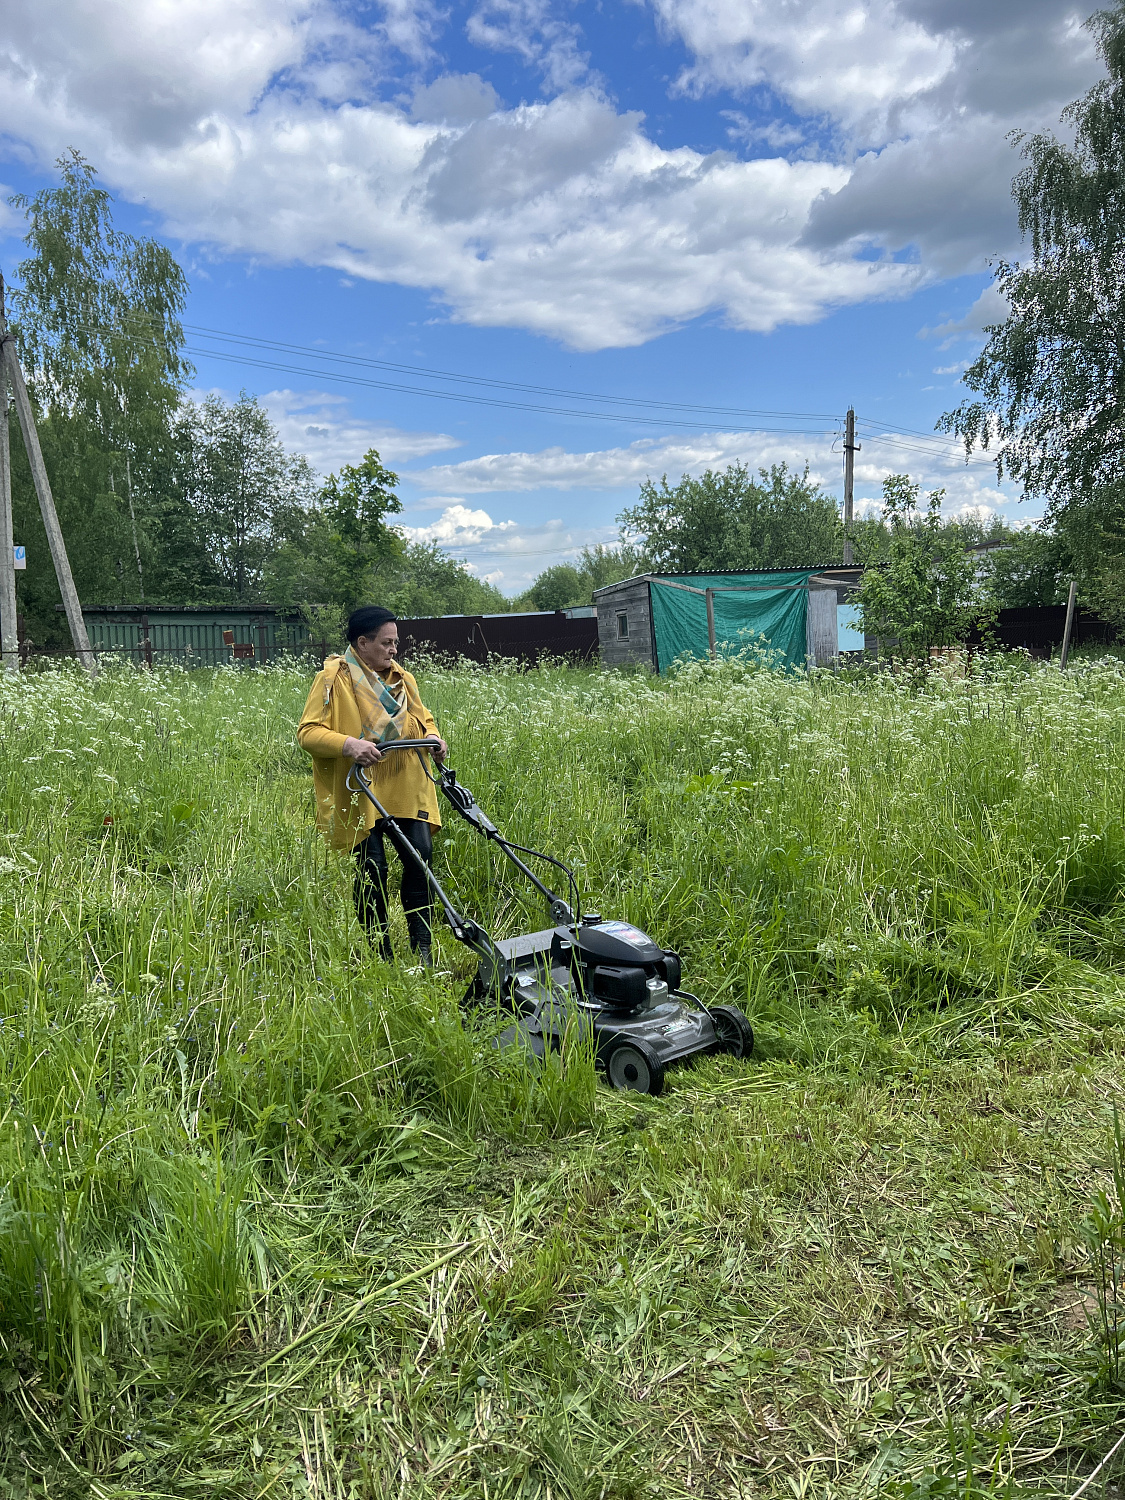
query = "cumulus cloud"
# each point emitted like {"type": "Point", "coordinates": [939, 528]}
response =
{"type": "Point", "coordinates": [613, 468]}
{"type": "Point", "coordinates": [454, 99]}
{"type": "Point", "coordinates": [321, 426]}
{"type": "Point", "coordinates": [853, 63]}
{"type": "Point", "coordinates": [254, 127]}
{"type": "Point", "coordinates": [511, 552]}
{"type": "Point", "coordinates": [934, 463]}
{"type": "Point", "coordinates": [508, 553]}
{"type": "Point", "coordinates": [261, 127]}
{"type": "Point", "coordinates": [988, 309]}
{"type": "Point", "coordinates": [925, 91]}
{"type": "Point", "coordinates": [459, 527]}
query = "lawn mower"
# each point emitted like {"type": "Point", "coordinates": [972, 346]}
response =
{"type": "Point", "coordinates": [585, 972]}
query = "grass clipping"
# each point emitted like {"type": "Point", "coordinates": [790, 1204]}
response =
{"type": "Point", "coordinates": [277, 1220]}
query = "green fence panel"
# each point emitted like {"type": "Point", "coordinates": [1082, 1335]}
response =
{"type": "Point", "coordinates": [775, 611]}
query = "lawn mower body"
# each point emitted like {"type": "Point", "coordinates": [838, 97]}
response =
{"type": "Point", "coordinates": [582, 975]}
{"type": "Point", "coordinates": [642, 1024]}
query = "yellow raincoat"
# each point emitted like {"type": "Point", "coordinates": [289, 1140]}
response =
{"type": "Point", "coordinates": [398, 780]}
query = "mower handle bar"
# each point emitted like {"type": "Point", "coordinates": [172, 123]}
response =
{"type": "Point", "coordinates": [430, 744]}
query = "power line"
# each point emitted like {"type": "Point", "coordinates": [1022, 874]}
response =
{"type": "Point", "coordinates": [931, 453]}
{"type": "Point", "coordinates": [419, 371]}
{"type": "Point", "coordinates": [252, 344]}
{"type": "Point", "coordinates": [461, 396]}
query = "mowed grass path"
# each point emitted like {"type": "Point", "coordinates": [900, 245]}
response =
{"type": "Point", "coordinates": [276, 1221]}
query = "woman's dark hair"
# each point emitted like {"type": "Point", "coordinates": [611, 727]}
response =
{"type": "Point", "coordinates": [368, 620]}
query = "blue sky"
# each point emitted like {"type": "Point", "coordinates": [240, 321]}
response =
{"type": "Point", "coordinates": [727, 209]}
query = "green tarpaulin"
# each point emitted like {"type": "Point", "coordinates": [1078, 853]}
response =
{"type": "Point", "coordinates": [776, 610]}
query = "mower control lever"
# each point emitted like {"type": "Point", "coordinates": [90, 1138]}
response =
{"type": "Point", "coordinates": [465, 803]}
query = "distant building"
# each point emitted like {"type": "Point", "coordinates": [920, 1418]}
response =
{"type": "Point", "coordinates": [652, 619]}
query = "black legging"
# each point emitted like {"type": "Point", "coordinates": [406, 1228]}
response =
{"type": "Point", "coordinates": [370, 890]}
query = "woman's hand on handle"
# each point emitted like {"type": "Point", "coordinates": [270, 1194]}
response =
{"type": "Point", "coordinates": [442, 748]}
{"type": "Point", "coordinates": [363, 752]}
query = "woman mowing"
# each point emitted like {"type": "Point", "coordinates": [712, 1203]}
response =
{"type": "Point", "coordinates": [359, 702]}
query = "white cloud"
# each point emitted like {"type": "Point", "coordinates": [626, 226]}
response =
{"type": "Point", "coordinates": [509, 553]}
{"type": "Point", "coordinates": [613, 468]}
{"type": "Point", "coordinates": [257, 127]}
{"type": "Point", "coordinates": [925, 90]}
{"type": "Point", "coordinates": [534, 32]}
{"type": "Point", "coordinates": [933, 462]}
{"type": "Point", "coordinates": [562, 217]}
{"type": "Point", "coordinates": [852, 62]}
{"type": "Point", "coordinates": [459, 527]}
{"type": "Point", "coordinates": [321, 426]}
{"type": "Point", "coordinates": [989, 308]}
{"type": "Point", "coordinates": [454, 99]}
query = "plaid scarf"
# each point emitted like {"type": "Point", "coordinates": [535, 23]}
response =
{"type": "Point", "coordinates": [381, 711]}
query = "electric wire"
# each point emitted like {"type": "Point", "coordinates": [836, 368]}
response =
{"type": "Point", "coordinates": [463, 397]}
{"type": "Point", "coordinates": [888, 433]}
{"type": "Point", "coordinates": [512, 385]}
{"type": "Point", "coordinates": [931, 453]}
{"type": "Point", "coordinates": [266, 346]}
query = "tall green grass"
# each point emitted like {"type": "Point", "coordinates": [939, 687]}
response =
{"type": "Point", "coordinates": [276, 1217]}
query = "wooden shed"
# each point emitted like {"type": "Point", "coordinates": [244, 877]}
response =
{"type": "Point", "coordinates": [630, 625]}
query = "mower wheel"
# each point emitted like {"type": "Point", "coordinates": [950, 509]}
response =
{"type": "Point", "coordinates": [736, 1035]}
{"type": "Point", "coordinates": [632, 1065]}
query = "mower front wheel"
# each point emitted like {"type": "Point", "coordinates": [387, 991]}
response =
{"type": "Point", "coordinates": [735, 1034]}
{"type": "Point", "coordinates": [632, 1065]}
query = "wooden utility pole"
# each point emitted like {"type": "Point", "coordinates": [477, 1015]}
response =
{"type": "Point", "coordinates": [9, 625]}
{"type": "Point", "coordinates": [850, 451]}
{"type": "Point", "coordinates": [10, 372]}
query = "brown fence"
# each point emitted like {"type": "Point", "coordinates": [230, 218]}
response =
{"type": "Point", "coordinates": [1039, 630]}
{"type": "Point", "coordinates": [525, 638]}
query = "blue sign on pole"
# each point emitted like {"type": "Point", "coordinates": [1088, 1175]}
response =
{"type": "Point", "coordinates": [19, 558]}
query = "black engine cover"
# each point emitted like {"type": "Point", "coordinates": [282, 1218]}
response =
{"type": "Point", "coordinates": [616, 943]}
{"type": "Point", "coordinates": [618, 984]}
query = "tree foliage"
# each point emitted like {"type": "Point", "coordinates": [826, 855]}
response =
{"type": "Point", "coordinates": [920, 586]}
{"type": "Point", "coordinates": [1031, 570]}
{"type": "Point", "coordinates": [571, 585]}
{"type": "Point", "coordinates": [728, 521]}
{"type": "Point", "coordinates": [97, 314]}
{"type": "Point", "coordinates": [340, 549]}
{"type": "Point", "coordinates": [1050, 380]}
{"type": "Point", "coordinates": [238, 481]}
{"type": "Point", "coordinates": [96, 318]}
{"type": "Point", "coordinates": [164, 500]}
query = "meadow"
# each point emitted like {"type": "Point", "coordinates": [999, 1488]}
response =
{"type": "Point", "coordinates": [277, 1220]}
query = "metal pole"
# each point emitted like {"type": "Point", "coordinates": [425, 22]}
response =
{"type": "Point", "coordinates": [47, 507]}
{"type": "Point", "coordinates": [711, 623]}
{"type": "Point", "coordinates": [1069, 626]}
